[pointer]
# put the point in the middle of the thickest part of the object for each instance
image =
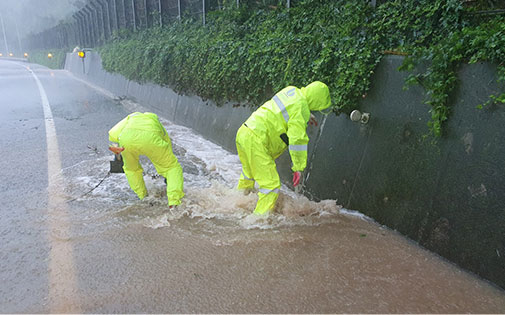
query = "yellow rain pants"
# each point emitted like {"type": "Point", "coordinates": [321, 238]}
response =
{"type": "Point", "coordinates": [278, 125]}
{"type": "Point", "coordinates": [143, 134]}
{"type": "Point", "coordinates": [259, 166]}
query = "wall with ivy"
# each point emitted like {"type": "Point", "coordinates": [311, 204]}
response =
{"type": "Point", "coordinates": [246, 54]}
{"type": "Point", "coordinates": [448, 194]}
{"type": "Point", "coordinates": [427, 164]}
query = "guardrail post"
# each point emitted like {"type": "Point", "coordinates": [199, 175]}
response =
{"type": "Point", "coordinates": [179, 9]}
{"type": "Point", "coordinates": [5, 36]}
{"type": "Point", "coordinates": [106, 18]}
{"type": "Point", "coordinates": [160, 12]}
{"type": "Point", "coordinates": [121, 14]}
{"type": "Point", "coordinates": [84, 28]}
{"type": "Point", "coordinates": [99, 21]}
{"type": "Point", "coordinates": [145, 23]}
{"type": "Point", "coordinates": [90, 23]}
{"type": "Point", "coordinates": [78, 32]}
{"type": "Point", "coordinates": [113, 13]}
{"type": "Point", "coordinates": [134, 12]}
{"type": "Point", "coordinates": [203, 12]}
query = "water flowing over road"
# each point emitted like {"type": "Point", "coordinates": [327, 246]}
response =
{"type": "Point", "coordinates": [68, 245]}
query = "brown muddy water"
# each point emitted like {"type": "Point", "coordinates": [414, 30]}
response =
{"type": "Point", "coordinates": [211, 255]}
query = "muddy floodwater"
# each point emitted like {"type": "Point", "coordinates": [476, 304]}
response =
{"type": "Point", "coordinates": [211, 255]}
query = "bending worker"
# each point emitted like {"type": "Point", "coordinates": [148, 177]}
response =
{"type": "Point", "coordinates": [278, 124]}
{"type": "Point", "coordinates": [143, 134]}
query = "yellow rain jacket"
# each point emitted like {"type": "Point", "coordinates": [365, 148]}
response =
{"type": "Point", "coordinates": [262, 138]}
{"type": "Point", "coordinates": [143, 134]}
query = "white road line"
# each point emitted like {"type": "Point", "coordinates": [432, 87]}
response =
{"type": "Point", "coordinates": [62, 279]}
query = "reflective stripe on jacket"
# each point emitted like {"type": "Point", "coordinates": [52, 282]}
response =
{"type": "Point", "coordinates": [286, 113]}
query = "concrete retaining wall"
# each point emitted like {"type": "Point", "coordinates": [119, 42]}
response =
{"type": "Point", "coordinates": [449, 196]}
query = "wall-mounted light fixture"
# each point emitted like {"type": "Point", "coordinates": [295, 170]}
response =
{"type": "Point", "coordinates": [357, 116]}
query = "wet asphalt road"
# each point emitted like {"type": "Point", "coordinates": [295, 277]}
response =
{"type": "Point", "coordinates": [82, 118]}
{"type": "Point", "coordinates": [93, 256]}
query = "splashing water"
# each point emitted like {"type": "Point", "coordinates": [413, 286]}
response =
{"type": "Point", "coordinates": [211, 201]}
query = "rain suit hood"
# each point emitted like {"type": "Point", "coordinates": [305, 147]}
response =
{"type": "Point", "coordinates": [317, 95]}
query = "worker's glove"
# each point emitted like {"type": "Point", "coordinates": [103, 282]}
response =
{"type": "Point", "coordinates": [116, 150]}
{"type": "Point", "coordinates": [296, 178]}
{"type": "Point", "coordinates": [312, 120]}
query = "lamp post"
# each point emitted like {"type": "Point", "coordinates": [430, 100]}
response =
{"type": "Point", "coordinates": [5, 36]}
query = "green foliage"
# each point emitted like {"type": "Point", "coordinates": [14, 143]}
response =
{"type": "Point", "coordinates": [470, 43]}
{"type": "Point", "coordinates": [41, 57]}
{"type": "Point", "coordinates": [244, 54]}
{"type": "Point", "coordinates": [487, 4]}
{"type": "Point", "coordinates": [247, 54]}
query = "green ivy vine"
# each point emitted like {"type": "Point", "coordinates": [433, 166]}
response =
{"type": "Point", "coordinates": [470, 43]}
{"type": "Point", "coordinates": [246, 54]}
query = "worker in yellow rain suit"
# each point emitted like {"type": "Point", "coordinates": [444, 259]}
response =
{"type": "Point", "coordinates": [278, 124]}
{"type": "Point", "coordinates": [143, 134]}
